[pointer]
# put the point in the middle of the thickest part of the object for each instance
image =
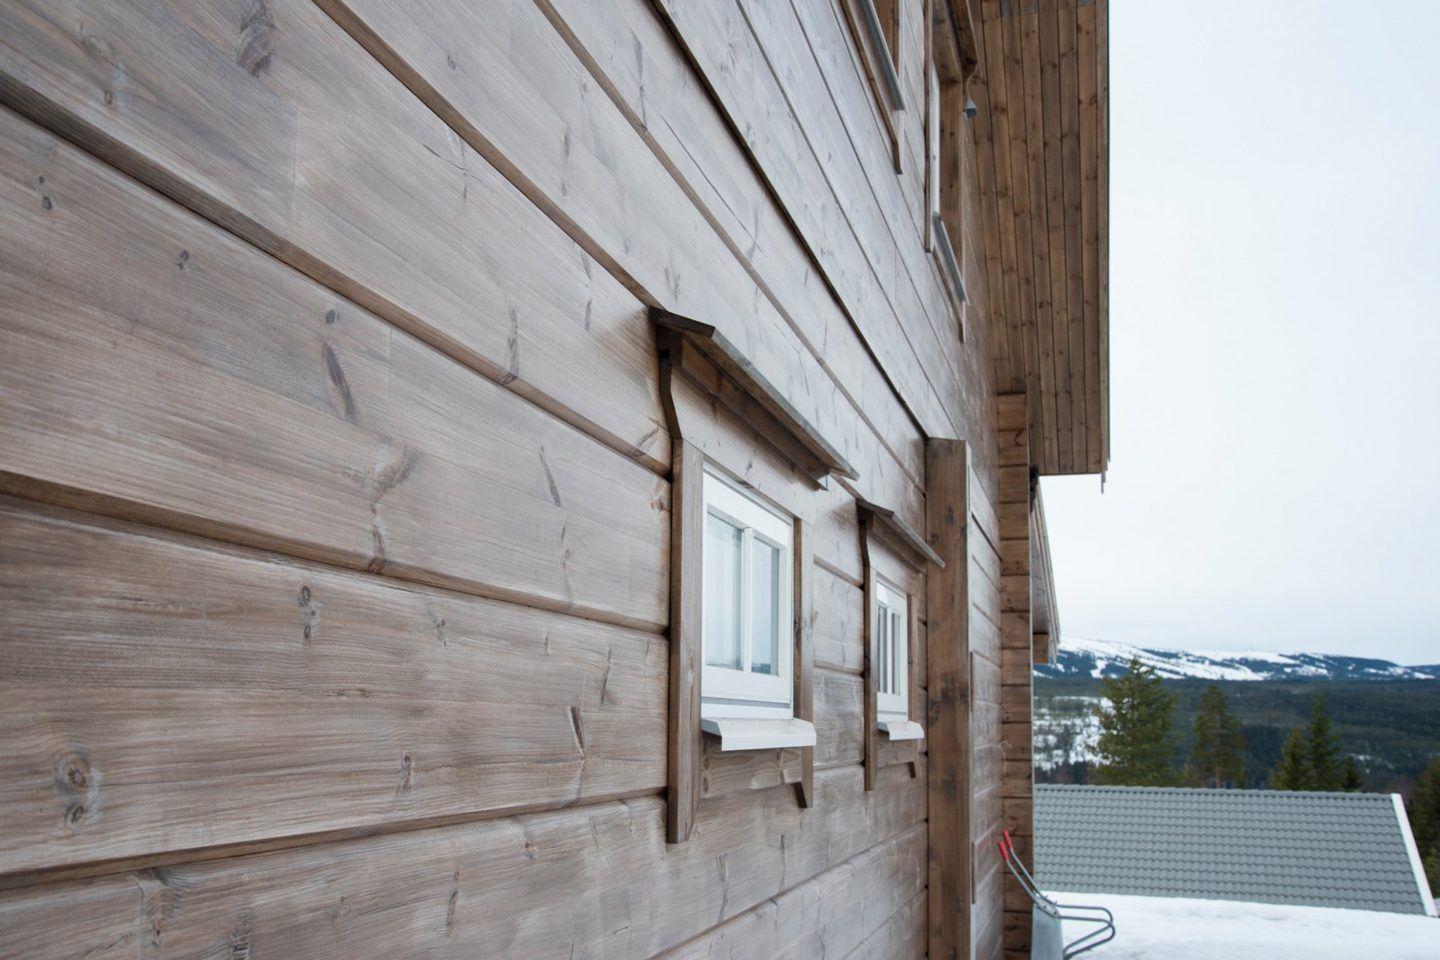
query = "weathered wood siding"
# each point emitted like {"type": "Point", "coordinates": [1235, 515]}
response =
{"type": "Point", "coordinates": [335, 503]}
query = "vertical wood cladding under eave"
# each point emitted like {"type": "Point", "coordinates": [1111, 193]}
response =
{"type": "Point", "coordinates": [1044, 180]}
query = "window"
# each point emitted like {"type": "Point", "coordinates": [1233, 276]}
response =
{"type": "Point", "coordinates": [890, 626]}
{"type": "Point", "coordinates": [748, 621]}
{"type": "Point", "coordinates": [882, 20]}
{"type": "Point", "coordinates": [946, 109]}
{"type": "Point", "coordinates": [875, 26]}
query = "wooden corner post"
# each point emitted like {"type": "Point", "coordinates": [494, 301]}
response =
{"type": "Point", "coordinates": [1013, 509]}
{"type": "Point", "coordinates": [947, 495]}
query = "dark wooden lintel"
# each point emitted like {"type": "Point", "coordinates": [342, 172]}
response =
{"type": "Point", "coordinates": [902, 532]}
{"type": "Point", "coordinates": [736, 367]}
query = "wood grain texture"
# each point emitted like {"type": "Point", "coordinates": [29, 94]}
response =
{"type": "Point", "coordinates": [161, 694]}
{"type": "Point", "coordinates": [862, 908]}
{"type": "Point", "coordinates": [522, 99]}
{"type": "Point", "coordinates": [267, 119]}
{"type": "Point", "coordinates": [800, 73]}
{"type": "Point", "coordinates": [449, 378]}
{"type": "Point", "coordinates": [162, 370]}
{"type": "Point", "coordinates": [650, 76]}
{"type": "Point", "coordinates": [748, 452]}
{"type": "Point", "coordinates": [752, 394]}
{"type": "Point", "coordinates": [804, 658]}
{"type": "Point", "coordinates": [1045, 173]}
{"type": "Point", "coordinates": [489, 888]}
{"type": "Point", "coordinates": [1017, 635]}
{"type": "Point", "coordinates": [837, 718]}
{"type": "Point", "coordinates": [687, 550]}
{"type": "Point", "coordinates": [948, 732]}
{"type": "Point", "coordinates": [838, 616]}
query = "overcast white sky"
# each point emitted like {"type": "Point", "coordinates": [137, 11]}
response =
{"type": "Point", "coordinates": [1274, 332]}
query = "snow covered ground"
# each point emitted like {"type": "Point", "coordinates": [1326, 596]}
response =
{"type": "Point", "coordinates": [1166, 928]}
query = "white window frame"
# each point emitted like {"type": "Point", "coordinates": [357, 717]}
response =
{"type": "Point", "coordinates": [890, 617]}
{"type": "Point", "coordinates": [730, 693]}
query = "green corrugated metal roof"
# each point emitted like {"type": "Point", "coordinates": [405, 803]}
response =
{"type": "Point", "coordinates": [1316, 849]}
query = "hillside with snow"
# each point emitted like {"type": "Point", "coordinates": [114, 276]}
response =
{"type": "Point", "coordinates": [1081, 657]}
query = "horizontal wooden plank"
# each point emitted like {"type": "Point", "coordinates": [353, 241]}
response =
{"type": "Point", "coordinates": [1016, 704]}
{"type": "Point", "coordinates": [523, 99]}
{"type": "Point", "coordinates": [984, 724]}
{"type": "Point", "coordinates": [1016, 667]}
{"type": "Point", "coordinates": [1016, 737]}
{"type": "Point", "coordinates": [982, 507]}
{"type": "Point", "coordinates": [984, 634]}
{"type": "Point", "coordinates": [1018, 779]}
{"type": "Point", "coordinates": [834, 914]}
{"type": "Point", "coordinates": [985, 923]}
{"type": "Point", "coordinates": [838, 718]}
{"type": "Point", "coordinates": [638, 62]}
{"type": "Point", "coordinates": [838, 742]}
{"type": "Point", "coordinates": [282, 130]}
{"type": "Point", "coordinates": [227, 394]}
{"type": "Point", "coordinates": [767, 399]}
{"type": "Point", "coordinates": [987, 765]}
{"type": "Point", "coordinates": [1014, 485]}
{"type": "Point", "coordinates": [1014, 527]}
{"type": "Point", "coordinates": [842, 222]}
{"type": "Point", "coordinates": [1020, 816]}
{"type": "Point", "coordinates": [903, 936]}
{"type": "Point", "coordinates": [1016, 936]}
{"type": "Point", "coordinates": [160, 694]}
{"type": "Point", "coordinates": [1014, 592]}
{"type": "Point", "coordinates": [595, 881]}
{"type": "Point", "coordinates": [838, 622]}
{"type": "Point", "coordinates": [984, 682]}
{"type": "Point", "coordinates": [1013, 448]}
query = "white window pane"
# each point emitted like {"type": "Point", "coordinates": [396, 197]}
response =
{"type": "Point", "coordinates": [882, 652]}
{"type": "Point", "coordinates": [897, 649]}
{"type": "Point", "coordinates": [764, 608]}
{"type": "Point", "coordinates": [722, 592]}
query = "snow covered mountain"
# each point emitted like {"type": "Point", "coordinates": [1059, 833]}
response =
{"type": "Point", "coordinates": [1080, 657]}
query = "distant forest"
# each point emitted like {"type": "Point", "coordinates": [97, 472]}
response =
{"type": "Point", "coordinates": [1391, 728]}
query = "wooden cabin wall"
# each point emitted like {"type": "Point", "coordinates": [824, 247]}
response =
{"type": "Point", "coordinates": [334, 509]}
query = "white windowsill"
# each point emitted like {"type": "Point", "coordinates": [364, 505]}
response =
{"type": "Point", "coordinates": [902, 729]}
{"type": "Point", "coordinates": [742, 733]}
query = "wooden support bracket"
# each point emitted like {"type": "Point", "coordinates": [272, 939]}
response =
{"type": "Point", "coordinates": [904, 534]}
{"type": "Point", "coordinates": [748, 392]}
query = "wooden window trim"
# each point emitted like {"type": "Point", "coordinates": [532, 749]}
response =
{"type": "Point", "coordinates": [903, 534]}
{"type": "Point", "coordinates": [709, 358]}
{"type": "Point", "coordinates": [887, 57]}
{"type": "Point", "coordinates": [688, 723]}
{"type": "Point", "coordinates": [887, 730]}
{"type": "Point", "coordinates": [743, 694]}
{"type": "Point", "coordinates": [949, 54]}
{"type": "Point", "coordinates": [880, 64]}
{"type": "Point", "coordinates": [891, 620]}
{"type": "Point", "coordinates": [699, 355]}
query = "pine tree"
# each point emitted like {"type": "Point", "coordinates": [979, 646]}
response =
{"type": "Point", "coordinates": [1321, 751]}
{"type": "Point", "coordinates": [1293, 770]}
{"type": "Point", "coordinates": [1218, 757]}
{"type": "Point", "coordinates": [1350, 778]}
{"type": "Point", "coordinates": [1425, 820]}
{"type": "Point", "coordinates": [1135, 745]}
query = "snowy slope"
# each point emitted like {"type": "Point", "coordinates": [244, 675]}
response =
{"type": "Point", "coordinates": [1080, 657]}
